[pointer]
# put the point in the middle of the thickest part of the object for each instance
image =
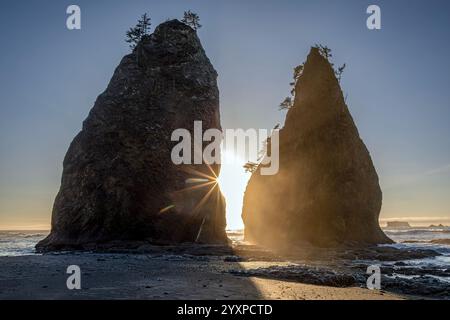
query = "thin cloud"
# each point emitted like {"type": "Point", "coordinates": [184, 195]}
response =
{"type": "Point", "coordinates": [439, 170]}
{"type": "Point", "coordinates": [416, 177]}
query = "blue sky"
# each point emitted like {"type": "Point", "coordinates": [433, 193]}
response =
{"type": "Point", "coordinates": [397, 81]}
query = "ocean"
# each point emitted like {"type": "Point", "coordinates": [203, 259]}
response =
{"type": "Point", "coordinates": [19, 243]}
{"type": "Point", "coordinates": [435, 238]}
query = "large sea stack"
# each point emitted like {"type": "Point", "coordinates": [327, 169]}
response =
{"type": "Point", "coordinates": [326, 192]}
{"type": "Point", "coordinates": [118, 181]}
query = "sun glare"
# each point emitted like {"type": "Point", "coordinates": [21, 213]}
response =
{"type": "Point", "coordinates": [233, 181]}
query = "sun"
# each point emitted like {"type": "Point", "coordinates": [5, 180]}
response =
{"type": "Point", "coordinates": [232, 181]}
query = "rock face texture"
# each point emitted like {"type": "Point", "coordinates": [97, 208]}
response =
{"type": "Point", "coordinates": [119, 182]}
{"type": "Point", "coordinates": [326, 191]}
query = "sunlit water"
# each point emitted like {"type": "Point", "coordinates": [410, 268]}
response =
{"type": "Point", "coordinates": [420, 238]}
{"type": "Point", "coordinates": [22, 243]}
{"type": "Point", "coordinates": [19, 243]}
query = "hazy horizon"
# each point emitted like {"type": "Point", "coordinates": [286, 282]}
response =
{"type": "Point", "coordinates": [413, 222]}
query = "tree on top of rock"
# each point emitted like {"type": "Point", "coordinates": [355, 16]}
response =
{"type": "Point", "coordinates": [142, 28]}
{"type": "Point", "coordinates": [298, 71]}
{"type": "Point", "coordinates": [340, 71]}
{"type": "Point", "coordinates": [286, 104]}
{"type": "Point", "coordinates": [250, 167]}
{"type": "Point", "coordinates": [289, 101]}
{"type": "Point", "coordinates": [326, 53]}
{"type": "Point", "coordinates": [192, 20]}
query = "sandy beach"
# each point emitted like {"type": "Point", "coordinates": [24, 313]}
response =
{"type": "Point", "coordinates": [238, 271]}
{"type": "Point", "coordinates": [150, 276]}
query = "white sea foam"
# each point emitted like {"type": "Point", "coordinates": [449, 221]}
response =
{"type": "Point", "coordinates": [19, 243]}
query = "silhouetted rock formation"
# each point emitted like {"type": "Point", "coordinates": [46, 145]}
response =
{"type": "Point", "coordinates": [119, 182]}
{"type": "Point", "coordinates": [326, 191]}
{"type": "Point", "coordinates": [398, 224]}
{"type": "Point", "coordinates": [440, 225]}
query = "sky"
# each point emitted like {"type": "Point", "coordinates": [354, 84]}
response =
{"type": "Point", "coordinates": [397, 86]}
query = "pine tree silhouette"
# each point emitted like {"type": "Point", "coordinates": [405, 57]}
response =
{"type": "Point", "coordinates": [191, 19]}
{"type": "Point", "coordinates": [135, 34]}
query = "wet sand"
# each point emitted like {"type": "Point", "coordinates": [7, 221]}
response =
{"type": "Point", "coordinates": [157, 276]}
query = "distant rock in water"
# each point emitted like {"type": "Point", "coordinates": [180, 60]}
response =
{"type": "Point", "coordinates": [440, 225]}
{"type": "Point", "coordinates": [397, 224]}
{"type": "Point", "coordinates": [119, 182]}
{"type": "Point", "coordinates": [326, 191]}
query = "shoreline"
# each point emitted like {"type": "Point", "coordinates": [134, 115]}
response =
{"type": "Point", "coordinates": [240, 270]}
{"type": "Point", "coordinates": [166, 276]}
